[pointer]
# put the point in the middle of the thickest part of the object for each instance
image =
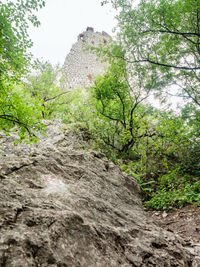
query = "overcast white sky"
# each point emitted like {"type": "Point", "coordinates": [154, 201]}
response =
{"type": "Point", "coordinates": [61, 23]}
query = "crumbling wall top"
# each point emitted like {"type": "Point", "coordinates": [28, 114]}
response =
{"type": "Point", "coordinates": [90, 32]}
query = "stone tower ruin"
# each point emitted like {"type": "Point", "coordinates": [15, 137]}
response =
{"type": "Point", "coordinates": [81, 66]}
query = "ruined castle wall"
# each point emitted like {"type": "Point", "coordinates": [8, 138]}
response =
{"type": "Point", "coordinates": [81, 66]}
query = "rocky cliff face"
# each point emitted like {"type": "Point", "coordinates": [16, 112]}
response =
{"type": "Point", "coordinates": [81, 66]}
{"type": "Point", "coordinates": [62, 206]}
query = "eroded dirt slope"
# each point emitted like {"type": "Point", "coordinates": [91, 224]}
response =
{"type": "Point", "coordinates": [184, 222]}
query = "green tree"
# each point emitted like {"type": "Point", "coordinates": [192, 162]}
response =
{"type": "Point", "coordinates": [119, 94]}
{"type": "Point", "coordinates": [17, 107]}
{"type": "Point", "coordinates": [45, 85]}
{"type": "Point", "coordinates": [14, 62]}
{"type": "Point", "coordinates": [164, 34]}
{"type": "Point", "coordinates": [14, 38]}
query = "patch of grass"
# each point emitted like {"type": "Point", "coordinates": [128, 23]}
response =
{"type": "Point", "coordinates": [171, 190]}
{"type": "Point", "coordinates": [165, 199]}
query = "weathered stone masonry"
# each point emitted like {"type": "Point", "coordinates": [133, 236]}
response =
{"type": "Point", "coordinates": [81, 65]}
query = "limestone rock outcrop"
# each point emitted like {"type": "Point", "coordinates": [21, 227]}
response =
{"type": "Point", "coordinates": [81, 65]}
{"type": "Point", "coordinates": [62, 206]}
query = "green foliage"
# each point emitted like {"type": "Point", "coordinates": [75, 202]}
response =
{"type": "Point", "coordinates": [14, 39]}
{"type": "Point", "coordinates": [171, 190]}
{"type": "Point", "coordinates": [165, 166]}
{"type": "Point", "coordinates": [190, 163]}
{"type": "Point", "coordinates": [118, 101]}
{"type": "Point", "coordinates": [146, 186]}
{"type": "Point", "coordinates": [163, 35]}
{"type": "Point", "coordinates": [18, 108]}
{"type": "Point", "coordinates": [165, 199]}
{"type": "Point", "coordinates": [16, 105]}
{"type": "Point", "coordinates": [45, 85]}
